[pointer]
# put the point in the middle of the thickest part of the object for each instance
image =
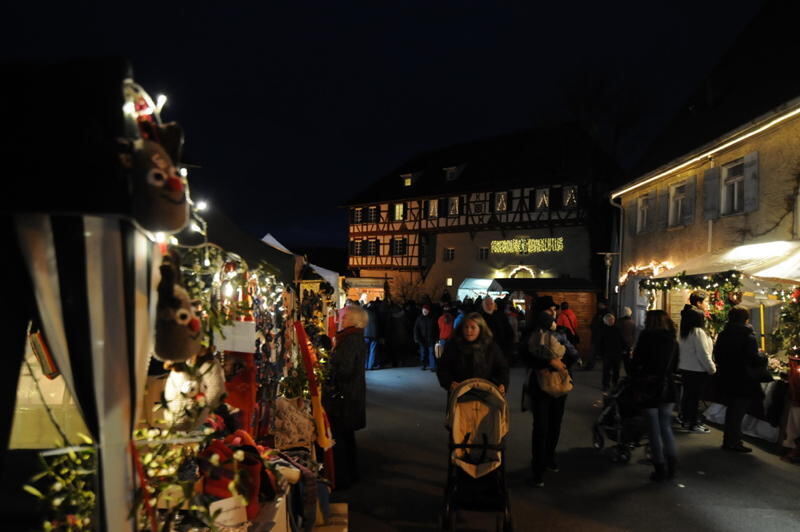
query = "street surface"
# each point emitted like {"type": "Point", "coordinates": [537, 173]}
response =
{"type": "Point", "coordinates": [403, 457]}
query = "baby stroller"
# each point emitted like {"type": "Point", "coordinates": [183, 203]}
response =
{"type": "Point", "coordinates": [620, 421]}
{"type": "Point", "coordinates": [477, 418]}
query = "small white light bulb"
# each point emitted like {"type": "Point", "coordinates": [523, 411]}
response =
{"type": "Point", "coordinates": [202, 205]}
{"type": "Point", "coordinates": [160, 101]}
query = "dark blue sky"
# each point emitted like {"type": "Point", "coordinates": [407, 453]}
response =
{"type": "Point", "coordinates": [291, 110]}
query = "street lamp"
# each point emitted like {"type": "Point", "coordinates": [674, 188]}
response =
{"type": "Point", "coordinates": [608, 258]}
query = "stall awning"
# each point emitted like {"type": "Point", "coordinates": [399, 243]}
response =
{"type": "Point", "coordinates": [776, 261]}
{"type": "Point", "coordinates": [543, 284]}
{"type": "Point", "coordinates": [473, 287]}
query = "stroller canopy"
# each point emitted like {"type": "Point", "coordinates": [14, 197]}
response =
{"type": "Point", "coordinates": [477, 417]}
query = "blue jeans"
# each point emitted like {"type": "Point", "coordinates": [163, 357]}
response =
{"type": "Point", "coordinates": [662, 442]}
{"type": "Point", "coordinates": [427, 356]}
{"type": "Point", "coordinates": [372, 358]}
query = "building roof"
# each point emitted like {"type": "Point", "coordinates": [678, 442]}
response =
{"type": "Point", "coordinates": [552, 155]}
{"type": "Point", "coordinates": [755, 76]}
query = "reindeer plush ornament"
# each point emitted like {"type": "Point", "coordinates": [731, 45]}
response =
{"type": "Point", "coordinates": [178, 329]}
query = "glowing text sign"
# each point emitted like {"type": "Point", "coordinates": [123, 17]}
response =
{"type": "Point", "coordinates": [523, 246]}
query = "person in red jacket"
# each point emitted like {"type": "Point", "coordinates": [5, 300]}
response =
{"type": "Point", "coordinates": [445, 323]}
{"type": "Point", "coordinates": [568, 319]}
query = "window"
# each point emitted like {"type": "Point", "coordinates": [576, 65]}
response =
{"type": "Point", "coordinates": [372, 248]}
{"type": "Point", "coordinates": [408, 180]}
{"type": "Point", "coordinates": [733, 187]}
{"type": "Point", "coordinates": [483, 253]}
{"type": "Point", "coordinates": [449, 254]}
{"type": "Point", "coordinates": [542, 199]}
{"type": "Point", "coordinates": [399, 246]}
{"type": "Point", "coordinates": [478, 207]}
{"type": "Point", "coordinates": [570, 197]}
{"type": "Point", "coordinates": [642, 206]}
{"type": "Point", "coordinates": [433, 208]}
{"type": "Point", "coordinates": [501, 201]}
{"type": "Point", "coordinates": [449, 281]}
{"type": "Point", "coordinates": [451, 173]}
{"type": "Point", "coordinates": [677, 204]}
{"type": "Point", "coordinates": [373, 215]}
{"type": "Point", "coordinates": [358, 216]}
{"type": "Point", "coordinates": [399, 212]}
{"type": "Point", "coordinates": [358, 248]}
{"type": "Point", "coordinates": [452, 206]}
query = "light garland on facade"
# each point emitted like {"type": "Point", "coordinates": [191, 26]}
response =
{"type": "Point", "coordinates": [521, 246]}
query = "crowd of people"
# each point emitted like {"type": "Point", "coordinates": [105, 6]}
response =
{"type": "Point", "coordinates": [665, 365]}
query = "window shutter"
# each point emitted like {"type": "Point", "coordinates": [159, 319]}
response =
{"type": "Point", "coordinates": [711, 193]}
{"type": "Point", "coordinates": [688, 202]}
{"type": "Point", "coordinates": [662, 217]}
{"type": "Point", "coordinates": [532, 199]}
{"type": "Point", "coordinates": [404, 246]}
{"type": "Point", "coordinates": [352, 216]}
{"type": "Point", "coordinates": [352, 248]}
{"type": "Point", "coordinates": [424, 214]}
{"type": "Point", "coordinates": [751, 182]}
{"type": "Point", "coordinates": [443, 208]}
{"type": "Point", "coordinates": [630, 215]}
{"type": "Point", "coordinates": [461, 205]}
{"type": "Point", "coordinates": [491, 201]}
{"type": "Point", "coordinates": [556, 198]}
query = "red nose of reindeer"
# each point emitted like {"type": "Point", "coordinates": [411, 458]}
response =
{"type": "Point", "coordinates": [194, 325]}
{"type": "Point", "coordinates": [174, 184]}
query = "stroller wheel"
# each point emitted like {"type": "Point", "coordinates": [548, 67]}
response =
{"type": "Point", "coordinates": [597, 438]}
{"type": "Point", "coordinates": [623, 455]}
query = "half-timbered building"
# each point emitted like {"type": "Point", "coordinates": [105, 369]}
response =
{"type": "Point", "coordinates": [530, 204]}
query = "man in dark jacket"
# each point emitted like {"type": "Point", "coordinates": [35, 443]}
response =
{"type": "Point", "coordinates": [498, 323]}
{"type": "Point", "coordinates": [611, 346]}
{"type": "Point", "coordinates": [372, 334]}
{"type": "Point", "coordinates": [735, 353]}
{"type": "Point", "coordinates": [596, 327]}
{"type": "Point", "coordinates": [425, 336]}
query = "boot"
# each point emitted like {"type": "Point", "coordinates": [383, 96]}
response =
{"type": "Point", "coordinates": [659, 474]}
{"type": "Point", "coordinates": [672, 465]}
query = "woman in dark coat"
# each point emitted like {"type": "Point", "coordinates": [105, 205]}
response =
{"type": "Point", "coordinates": [471, 353]}
{"type": "Point", "coordinates": [346, 394]}
{"type": "Point", "coordinates": [546, 351]}
{"type": "Point", "coordinates": [736, 350]}
{"type": "Point", "coordinates": [655, 360]}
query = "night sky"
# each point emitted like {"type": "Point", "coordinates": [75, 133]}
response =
{"type": "Point", "coordinates": [291, 111]}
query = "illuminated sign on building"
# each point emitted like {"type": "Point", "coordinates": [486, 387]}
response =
{"type": "Point", "coordinates": [523, 246]}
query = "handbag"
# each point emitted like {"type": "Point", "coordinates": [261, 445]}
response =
{"type": "Point", "coordinates": [553, 382]}
{"type": "Point", "coordinates": [759, 371]}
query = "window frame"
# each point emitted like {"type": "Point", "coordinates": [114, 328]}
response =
{"type": "Point", "coordinates": [537, 195]}
{"type": "Point", "coordinates": [358, 248]}
{"type": "Point", "coordinates": [402, 207]}
{"type": "Point", "coordinates": [737, 185]}
{"type": "Point", "coordinates": [449, 254]}
{"type": "Point", "coordinates": [398, 246]}
{"type": "Point", "coordinates": [483, 253]}
{"type": "Point", "coordinates": [433, 209]}
{"type": "Point", "coordinates": [371, 219]}
{"type": "Point", "coordinates": [373, 247]}
{"type": "Point", "coordinates": [642, 206]}
{"type": "Point", "coordinates": [453, 200]}
{"type": "Point", "coordinates": [566, 195]}
{"type": "Point", "coordinates": [676, 213]}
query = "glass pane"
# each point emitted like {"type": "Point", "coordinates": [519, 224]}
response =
{"type": "Point", "coordinates": [501, 202]}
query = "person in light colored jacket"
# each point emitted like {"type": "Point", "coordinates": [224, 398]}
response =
{"type": "Point", "coordinates": [696, 365]}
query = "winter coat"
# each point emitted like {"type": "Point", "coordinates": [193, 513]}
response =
{"type": "Point", "coordinates": [567, 318]}
{"type": "Point", "coordinates": [628, 329]}
{"type": "Point", "coordinates": [372, 329]}
{"type": "Point", "coordinates": [501, 330]}
{"type": "Point", "coordinates": [655, 360]}
{"type": "Point", "coordinates": [609, 341]}
{"type": "Point", "coordinates": [736, 350]}
{"type": "Point", "coordinates": [696, 350]}
{"type": "Point", "coordinates": [446, 322]}
{"type": "Point", "coordinates": [346, 390]}
{"type": "Point", "coordinates": [425, 331]}
{"type": "Point", "coordinates": [464, 360]}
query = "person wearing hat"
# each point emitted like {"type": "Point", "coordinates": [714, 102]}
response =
{"type": "Point", "coordinates": [425, 336]}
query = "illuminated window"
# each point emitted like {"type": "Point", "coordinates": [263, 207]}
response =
{"type": "Point", "coordinates": [373, 215]}
{"type": "Point", "coordinates": [433, 208]}
{"type": "Point", "coordinates": [542, 199]}
{"type": "Point", "coordinates": [570, 197]}
{"type": "Point", "coordinates": [677, 204]}
{"type": "Point", "coordinates": [483, 253]}
{"type": "Point", "coordinates": [358, 216]}
{"type": "Point", "coordinates": [357, 248]}
{"type": "Point", "coordinates": [449, 281]}
{"type": "Point", "coordinates": [733, 187]}
{"type": "Point", "coordinates": [452, 206]}
{"type": "Point", "coordinates": [399, 212]}
{"type": "Point", "coordinates": [642, 208]}
{"type": "Point", "coordinates": [501, 202]}
{"type": "Point", "coordinates": [449, 254]}
{"type": "Point", "coordinates": [408, 180]}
